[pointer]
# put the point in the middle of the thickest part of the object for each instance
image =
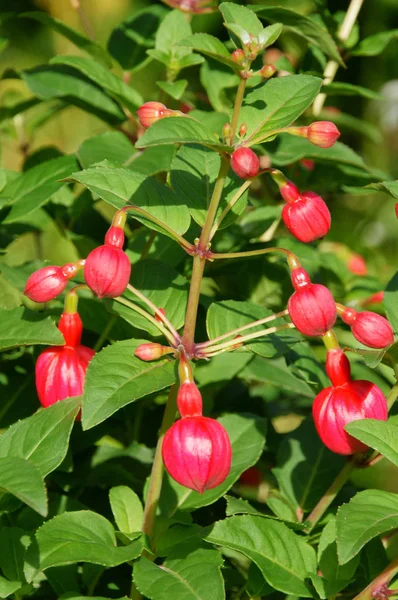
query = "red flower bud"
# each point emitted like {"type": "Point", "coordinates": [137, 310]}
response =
{"type": "Point", "coordinates": [61, 370]}
{"type": "Point", "coordinates": [289, 191]}
{"type": "Point", "coordinates": [369, 328]}
{"type": "Point", "coordinates": [238, 56]}
{"type": "Point", "coordinates": [197, 453]}
{"type": "Point", "coordinates": [245, 163]}
{"type": "Point", "coordinates": [323, 134]}
{"type": "Point", "coordinates": [267, 71]}
{"type": "Point", "coordinates": [150, 351]}
{"type": "Point", "coordinates": [47, 283]}
{"type": "Point", "coordinates": [189, 400]}
{"type": "Point", "coordinates": [356, 264]}
{"type": "Point", "coordinates": [312, 307]}
{"type": "Point", "coordinates": [343, 402]}
{"type": "Point", "coordinates": [373, 299]}
{"type": "Point", "coordinates": [308, 164]}
{"type": "Point", "coordinates": [107, 269]}
{"type": "Point", "coordinates": [150, 112]}
{"type": "Point", "coordinates": [307, 217]}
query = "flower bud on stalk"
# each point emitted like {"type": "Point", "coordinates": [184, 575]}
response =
{"type": "Point", "coordinates": [305, 215]}
{"type": "Point", "coordinates": [320, 133]}
{"type": "Point", "coordinates": [312, 307]}
{"type": "Point", "coordinates": [151, 351]}
{"type": "Point", "coordinates": [267, 71]}
{"type": "Point", "coordinates": [376, 298]}
{"type": "Point", "coordinates": [107, 269]}
{"type": "Point", "coordinates": [367, 327]}
{"type": "Point", "coordinates": [245, 163]}
{"type": "Point", "coordinates": [357, 265]}
{"type": "Point", "coordinates": [150, 112]}
{"type": "Point", "coordinates": [47, 283]}
{"type": "Point", "coordinates": [345, 401]}
{"type": "Point", "coordinates": [238, 56]}
{"type": "Point", "coordinates": [197, 453]}
{"type": "Point", "coordinates": [189, 400]}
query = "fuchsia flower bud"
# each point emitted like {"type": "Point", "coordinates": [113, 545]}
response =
{"type": "Point", "coordinates": [150, 112]}
{"type": "Point", "coordinates": [345, 401]}
{"type": "Point", "coordinates": [189, 400]}
{"type": "Point", "coordinates": [150, 351]}
{"type": "Point", "coordinates": [307, 217]}
{"type": "Point", "coordinates": [238, 56]}
{"type": "Point", "coordinates": [312, 307]}
{"type": "Point", "coordinates": [367, 327]}
{"type": "Point", "coordinates": [357, 265]}
{"type": "Point", "coordinates": [322, 134]}
{"type": "Point", "coordinates": [47, 283]}
{"type": "Point", "coordinates": [267, 71]}
{"type": "Point", "coordinates": [376, 298]}
{"type": "Point", "coordinates": [61, 370]}
{"type": "Point", "coordinates": [107, 269]}
{"type": "Point", "coordinates": [245, 163]}
{"type": "Point", "coordinates": [197, 453]}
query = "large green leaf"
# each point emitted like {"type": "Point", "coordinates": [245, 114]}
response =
{"type": "Point", "coordinates": [379, 435]}
{"type": "Point", "coordinates": [22, 327]}
{"type": "Point", "coordinates": [164, 286]}
{"type": "Point", "coordinates": [115, 377]}
{"type": "Point", "coordinates": [36, 186]}
{"type": "Point", "coordinates": [348, 89]}
{"type": "Point", "coordinates": [390, 187]}
{"type": "Point", "coordinates": [179, 130]}
{"type": "Point", "coordinates": [81, 41]}
{"type": "Point", "coordinates": [42, 438]}
{"type": "Point", "coordinates": [194, 576]}
{"type": "Point", "coordinates": [107, 80]}
{"type": "Point", "coordinates": [110, 145]}
{"type": "Point", "coordinates": [277, 104]}
{"type": "Point", "coordinates": [13, 543]}
{"type": "Point", "coordinates": [391, 301]}
{"type": "Point", "coordinates": [81, 536]}
{"type": "Point", "coordinates": [247, 435]}
{"type": "Point", "coordinates": [304, 26]}
{"type": "Point", "coordinates": [210, 46]}
{"type": "Point", "coordinates": [242, 16]}
{"type": "Point", "coordinates": [375, 44]}
{"type": "Point", "coordinates": [194, 173]}
{"type": "Point", "coordinates": [23, 480]}
{"type": "Point", "coordinates": [126, 508]}
{"type": "Point", "coordinates": [272, 546]}
{"type": "Point", "coordinates": [368, 514]}
{"type": "Point", "coordinates": [276, 373]}
{"type": "Point", "coordinates": [121, 186]}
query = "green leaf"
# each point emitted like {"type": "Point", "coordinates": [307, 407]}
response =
{"type": "Point", "coordinates": [179, 130]}
{"type": "Point", "coordinates": [36, 186]}
{"type": "Point", "coordinates": [305, 467]}
{"type": "Point", "coordinates": [154, 160]}
{"type": "Point", "coordinates": [379, 435]}
{"type": "Point", "coordinates": [22, 327]}
{"type": "Point", "coordinates": [111, 145]}
{"type": "Point", "coordinates": [172, 30]}
{"type": "Point", "coordinates": [107, 80]}
{"type": "Point", "coordinates": [8, 112]}
{"type": "Point", "coordinates": [175, 89]}
{"type": "Point", "coordinates": [348, 89]}
{"type": "Point", "coordinates": [8, 587]}
{"type": "Point", "coordinates": [242, 15]}
{"type": "Point", "coordinates": [81, 41]}
{"type": "Point", "coordinates": [223, 317]}
{"type": "Point", "coordinates": [115, 378]}
{"type": "Point", "coordinates": [216, 78]}
{"type": "Point", "coordinates": [23, 480]}
{"type": "Point", "coordinates": [337, 576]}
{"type": "Point", "coordinates": [303, 26]}
{"type": "Point", "coordinates": [211, 46]}
{"type": "Point", "coordinates": [13, 543]}
{"type": "Point", "coordinates": [164, 286]}
{"type": "Point", "coordinates": [272, 546]}
{"type": "Point", "coordinates": [193, 175]}
{"type": "Point", "coordinates": [195, 576]}
{"type": "Point", "coordinates": [390, 187]}
{"type": "Point", "coordinates": [276, 373]}
{"type": "Point", "coordinates": [223, 367]}
{"type": "Point", "coordinates": [368, 514]}
{"type": "Point", "coordinates": [126, 509]}
{"type": "Point", "coordinates": [277, 104]}
{"type": "Point", "coordinates": [247, 435]}
{"type": "Point", "coordinates": [375, 44]}
{"type": "Point", "coordinates": [121, 186]}
{"type": "Point", "coordinates": [59, 81]}
{"type": "Point", "coordinates": [391, 301]}
{"type": "Point", "coordinates": [80, 536]}
{"type": "Point", "coordinates": [42, 438]}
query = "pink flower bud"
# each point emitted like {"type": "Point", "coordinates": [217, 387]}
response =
{"type": "Point", "coordinates": [307, 217]}
{"type": "Point", "coordinates": [357, 265]}
{"type": "Point", "coordinates": [322, 134]}
{"type": "Point", "coordinates": [47, 283]}
{"type": "Point", "coordinates": [312, 308]}
{"type": "Point", "coordinates": [197, 453]}
{"type": "Point", "coordinates": [369, 328]}
{"type": "Point", "coordinates": [61, 370]}
{"type": "Point", "coordinates": [189, 400]}
{"type": "Point", "coordinates": [376, 298]}
{"type": "Point", "coordinates": [150, 351]}
{"type": "Point", "coordinates": [238, 56]}
{"type": "Point", "coordinates": [343, 402]}
{"type": "Point", "coordinates": [268, 71]}
{"type": "Point", "coordinates": [289, 191]}
{"type": "Point", "coordinates": [150, 112]}
{"type": "Point", "coordinates": [245, 163]}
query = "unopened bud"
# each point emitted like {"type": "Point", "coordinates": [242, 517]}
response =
{"type": "Point", "coordinates": [367, 327]}
{"type": "Point", "coordinates": [238, 56]}
{"type": "Point", "coordinates": [268, 71]}
{"type": "Point", "coordinates": [322, 134]}
{"type": "Point", "coordinates": [47, 283]}
{"type": "Point", "coordinates": [189, 400]}
{"type": "Point", "coordinates": [226, 131]}
{"type": "Point", "coordinates": [150, 112]}
{"type": "Point", "coordinates": [245, 163]}
{"type": "Point", "coordinates": [357, 265]}
{"type": "Point", "coordinates": [243, 130]}
{"type": "Point", "coordinates": [150, 351]}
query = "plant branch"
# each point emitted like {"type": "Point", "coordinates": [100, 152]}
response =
{"type": "Point", "coordinates": [392, 396]}
{"type": "Point", "coordinates": [158, 313]}
{"type": "Point", "coordinates": [83, 18]}
{"type": "Point", "coordinates": [332, 66]}
{"type": "Point", "coordinates": [378, 588]}
{"type": "Point", "coordinates": [202, 345]}
{"type": "Point", "coordinates": [107, 329]}
{"type": "Point", "coordinates": [237, 106]}
{"type": "Point", "coordinates": [148, 317]}
{"type": "Point", "coordinates": [214, 202]}
{"type": "Point", "coordinates": [246, 254]}
{"type": "Point", "coordinates": [193, 304]}
{"type": "Point", "coordinates": [238, 194]}
{"type": "Point", "coordinates": [327, 499]}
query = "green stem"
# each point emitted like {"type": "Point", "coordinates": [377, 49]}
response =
{"type": "Point", "coordinates": [156, 478]}
{"type": "Point", "coordinates": [246, 254]}
{"type": "Point", "coordinates": [148, 317]}
{"type": "Point", "coordinates": [378, 588]}
{"type": "Point", "coordinates": [238, 194]}
{"type": "Point", "coordinates": [211, 350]}
{"type": "Point", "coordinates": [283, 313]}
{"type": "Point", "coordinates": [392, 396]}
{"type": "Point", "coordinates": [237, 106]}
{"type": "Point", "coordinates": [214, 202]}
{"type": "Point", "coordinates": [157, 312]}
{"type": "Point", "coordinates": [148, 245]}
{"type": "Point", "coordinates": [193, 304]}
{"type": "Point", "coordinates": [104, 335]}
{"type": "Point", "coordinates": [329, 495]}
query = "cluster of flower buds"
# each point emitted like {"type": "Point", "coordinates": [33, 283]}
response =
{"type": "Point", "coordinates": [367, 327]}
{"type": "Point", "coordinates": [196, 450]}
{"type": "Point", "coordinates": [343, 402]}
{"type": "Point", "coordinates": [152, 111]}
{"type": "Point", "coordinates": [320, 133]}
{"type": "Point", "coordinates": [61, 370]}
{"type": "Point", "coordinates": [245, 163]}
{"type": "Point", "coordinates": [47, 283]}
